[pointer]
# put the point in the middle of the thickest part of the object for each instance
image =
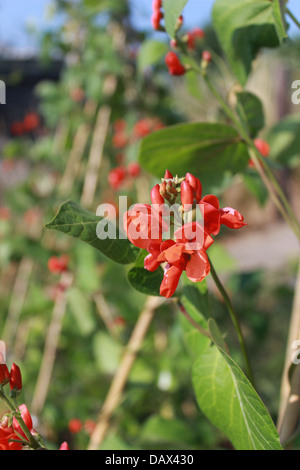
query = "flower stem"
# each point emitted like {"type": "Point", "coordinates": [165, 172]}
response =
{"type": "Point", "coordinates": [262, 167]}
{"type": "Point", "coordinates": [196, 325]}
{"type": "Point", "coordinates": [31, 440]}
{"type": "Point", "coordinates": [234, 319]}
{"type": "Point", "coordinates": [293, 18]}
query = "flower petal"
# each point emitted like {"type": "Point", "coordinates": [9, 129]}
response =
{"type": "Point", "coordinates": [170, 281]}
{"type": "Point", "coordinates": [198, 266]}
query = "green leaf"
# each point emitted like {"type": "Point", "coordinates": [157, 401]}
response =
{"type": "Point", "coordinates": [244, 27]}
{"type": "Point", "coordinates": [251, 112]}
{"type": "Point", "coordinates": [150, 53]}
{"type": "Point", "coordinates": [172, 11]}
{"type": "Point", "coordinates": [80, 307]}
{"type": "Point", "coordinates": [145, 281]}
{"type": "Point", "coordinates": [196, 343]}
{"type": "Point", "coordinates": [82, 224]}
{"type": "Point", "coordinates": [279, 18]}
{"type": "Point", "coordinates": [172, 431]}
{"type": "Point", "coordinates": [230, 402]}
{"type": "Point", "coordinates": [284, 140]}
{"type": "Point", "coordinates": [107, 352]}
{"type": "Point", "coordinates": [210, 151]}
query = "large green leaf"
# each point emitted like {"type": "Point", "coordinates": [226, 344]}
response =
{"type": "Point", "coordinates": [227, 398]}
{"type": "Point", "coordinates": [210, 151]}
{"type": "Point", "coordinates": [172, 11]}
{"type": "Point", "coordinates": [145, 281]}
{"type": "Point", "coordinates": [251, 112]}
{"type": "Point", "coordinates": [82, 224]}
{"type": "Point", "coordinates": [279, 18]}
{"type": "Point", "coordinates": [284, 139]}
{"type": "Point", "coordinates": [243, 28]}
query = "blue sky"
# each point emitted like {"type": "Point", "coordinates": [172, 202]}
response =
{"type": "Point", "coordinates": [17, 14]}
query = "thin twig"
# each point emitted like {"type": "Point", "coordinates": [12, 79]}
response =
{"type": "Point", "coordinates": [118, 384]}
{"type": "Point", "coordinates": [235, 321]}
{"type": "Point", "coordinates": [51, 344]}
{"type": "Point", "coordinates": [289, 409]}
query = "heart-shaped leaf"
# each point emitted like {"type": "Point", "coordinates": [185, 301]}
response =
{"type": "Point", "coordinates": [172, 11]}
{"type": "Point", "coordinates": [82, 224]}
{"type": "Point", "coordinates": [145, 281]}
{"type": "Point", "coordinates": [213, 152]}
{"type": "Point", "coordinates": [227, 398]}
{"type": "Point", "coordinates": [244, 27]}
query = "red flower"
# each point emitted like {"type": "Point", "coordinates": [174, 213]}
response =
{"type": "Point", "coordinates": [214, 217]}
{"type": "Point", "coordinates": [174, 65]}
{"type": "Point", "coordinates": [156, 18]}
{"type": "Point", "coordinates": [64, 446]}
{"type": "Point", "coordinates": [116, 177]}
{"type": "Point", "coordinates": [263, 147]}
{"type": "Point", "coordinates": [156, 4]}
{"type": "Point", "coordinates": [206, 56]}
{"type": "Point", "coordinates": [4, 374]}
{"type": "Point", "coordinates": [186, 253]}
{"type": "Point", "coordinates": [58, 265]}
{"type": "Point", "coordinates": [144, 226]}
{"type": "Point", "coordinates": [17, 128]}
{"type": "Point", "coordinates": [193, 36]}
{"type": "Point", "coordinates": [134, 169]}
{"type": "Point", "coordinates": [31, 122]}
{"type": "Point", "coordinates": [7, 433]}
{"type": "Point", "coordinates": [15, 378]}
{"type": "Point", "coordinates": [75, 425]}
{"type": "Point", "coordinates": [27, 420]}
{"type": "Point", "coordinates": [157, 15]}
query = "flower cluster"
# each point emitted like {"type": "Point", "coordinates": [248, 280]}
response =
{"type": "Point", "coordinates": [141, 128]}
{"type": "Point", "coordinates": [57, 264]}
{"type": "Point", "coordinates": [29, 124]}
{"type": "Point", "coordinates": [146, 225]}
{"type": "Point", "coordinates": [14, 377]}
{"type": "Point", "coordinates": [11, 432]}
{"type": "Point", "coordinates": [118, 176]}
{"type": "Point", "coordinates": [16, 424]}
{"type": "Point", "coordinates": [157, 14]}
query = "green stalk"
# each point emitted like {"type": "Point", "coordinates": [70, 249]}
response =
{"type": "Point", "coordinates": [235, 321]}
{"type": "Point", "coordinates": [265, 172]}
{"type": "Point", "coordinates": [31, 440]}
{"type": "Point", "coordinates": [293, 18]}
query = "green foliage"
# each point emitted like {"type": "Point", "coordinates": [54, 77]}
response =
{"type": "Point", "coordinates": [82, 224]}
{"type": "Point", "coordinates": [172, 11]}
{"type": "Point", "coordinates": [200, 147]}
{"type": "Point", "coordinates": [225, 395]}
{"type": "Point", "coordinates": [243, 29]}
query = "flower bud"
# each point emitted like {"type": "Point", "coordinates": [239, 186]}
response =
{"type": "Point", "coordinates": [4, 374]}
{"type": "Point", "coordinates": [174, 65]}
{"type": "Point", "coordinates": [168, 175]}
{"type": "Point", "coordinates": [156, 19]}
{"type": "Point", "coordinates": [15, 379]}
{"type": "Point", "coordinates": [156, 197]}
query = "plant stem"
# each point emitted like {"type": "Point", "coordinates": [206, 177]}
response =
{"type": "Point", "coordinates": [30, 438]}
{"type": "Point", "coordinates": [262, 167]}
{"type": "Point", "coordinates": [293, 18]}
{"type": "Point", "coordinates": [234, 319]}
{"type": "Point", "coordinates": [196, 325]}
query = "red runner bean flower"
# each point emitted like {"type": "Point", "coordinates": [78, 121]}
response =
{"type": "Point", "coordinates": [174, 65]}
{"type": "Point", "coordinates": [186, 250]}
